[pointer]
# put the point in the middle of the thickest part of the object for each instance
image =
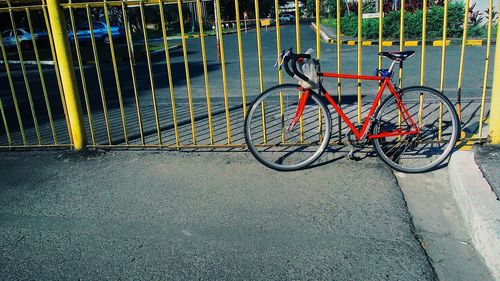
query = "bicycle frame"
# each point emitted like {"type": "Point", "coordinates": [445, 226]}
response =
{"type": "Point", "coordinates": [363, 133]}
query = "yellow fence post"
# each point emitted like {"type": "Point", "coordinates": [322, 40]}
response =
{"type": "Point", "coordinates": [494, 132]}
{"type": "Point", "coordinates": [70, 89]}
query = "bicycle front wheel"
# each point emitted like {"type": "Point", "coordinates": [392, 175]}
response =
{"type": "Point", "coordinates": [436, 119]}
{"type": "Point", "coordinates": [269, 136]}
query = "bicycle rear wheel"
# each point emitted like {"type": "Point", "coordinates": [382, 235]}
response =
{"type": "Point", "coordinates": [267, 134]}
{"type": "Point", "coordinates": [437, 120]}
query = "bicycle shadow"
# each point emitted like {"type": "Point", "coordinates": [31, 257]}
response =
{"type": "Point", "coordinates": [339, 152]}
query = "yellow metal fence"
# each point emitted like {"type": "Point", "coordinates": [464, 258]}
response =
{"type": "Point", "coordinates": [66, 86]}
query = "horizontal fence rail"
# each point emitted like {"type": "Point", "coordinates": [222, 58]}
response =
{"type": "Point", "coordinates": [181, 74]}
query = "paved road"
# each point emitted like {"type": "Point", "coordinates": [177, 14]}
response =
{"type": "Point", "coordinates": [472, 84]}
{"type": "Point", "coordinates": [133, 215]}
{"type": "Point", "coordinates": [487, 158]}
{"type": "Point", "coordinates": [473, 74]}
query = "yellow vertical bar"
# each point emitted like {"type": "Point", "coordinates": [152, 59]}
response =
{"type": "Point", "coordinates": [259, 60]}
{"type": "Point", "coordinates": [422, 62]}
{"type": "Point", "coordinates": [401, 39]}
{"type": "Point", "coordinates": [486, 68]}
{"type": "Point", "coordinates": [12, 90]}
{"type": "Point", "coordinates": [151, 77]}
{"type": "Point", "coordinates": [339, 70]}
{"type": "Point", "coordinates": [278, 37]}
{"type": "Point", "coordinates": [99, 75]}
{"type": "Point", "coordinates": [443, 47]}
{"type": "Point", "coordinates": [169, 74]}
{"type": "Point", "coordinates": [297, 26]}
{"type": "Point", "coordinates": [82, 74]}
{"type": "Point", "coordinates": [67, 72]}
{"type": "Point", "coordinates": [360, 56]}
{"type": "Point", "coordinates": [115, 69]}
{"type": "Point", "coordinates": [240, 54]}
{"type": "Point", "coordinates": [5, 125]}
{"type": "Point", "coordinates": [462, 55]}
{"type": "Point", "coordinates": [494, 125]}
{"type": "Point", "coordinates": [129, 43]}
{"type": "Point", "coordinates": [56, 69]}
{"type": "Point", "coordinates": [205, 69]}
{"type": "Point", "coordinates": [26, 82]}
{"type": "Point", "coordinates": [223, 68]}
{"type": "Point", "coordinates": [380, 31]}
{"type": "Point", "coordinates": [278, 50]}
{"type": "Point", "coordinates": [297, 45]}
{"type": "Point", "coordinates": [318, 36]}
{"type": "Point", "coordinates": [259, 45]}
{"type": "Point", "coordinates": [42, 78]}
{"type": "Point", "coordinates": [424, 36]}
{"type": "Point", "coordinates": [318, 56]}
{"type": "Point", "coordinates": [401, 48]}
{"type": "Point", "coordinates": [186, 68]}
{"type": "Point", "coordinates": [443, 65]}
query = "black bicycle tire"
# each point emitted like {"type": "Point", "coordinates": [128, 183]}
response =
{"type": "Point", "coordinates": [450, 146]}
{"type": "Point", "coordinates": [302, 164]}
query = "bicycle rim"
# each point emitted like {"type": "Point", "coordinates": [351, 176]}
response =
{"type": "Point", "coordinates": [437, 120]}
{"type": "Point", "coordinates": [267, 134]}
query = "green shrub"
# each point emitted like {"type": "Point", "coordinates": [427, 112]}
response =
{"type": "Point", "coordinates": [370, 28]}
{"type": "Point", "coordinates": [349, 25]}
{"type": "Point", "coordinates": [392, 24]}
{"type": "Point", "coordinates": [413, 24]}
{"type": "Point", "coordinates": [477, 31]}
{"type": "Point", "coordinates": [456, 19]}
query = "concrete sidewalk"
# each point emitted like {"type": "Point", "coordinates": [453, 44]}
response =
{"type": "Point", "coordinates": [186, 216]}
{"type": "Point", "coordinates": [477, 202]}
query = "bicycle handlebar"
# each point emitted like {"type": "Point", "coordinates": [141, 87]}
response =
{"type": "Point", "coordinates": [294, 65]}
{"type": "Point", "coordinates": [290, 56]}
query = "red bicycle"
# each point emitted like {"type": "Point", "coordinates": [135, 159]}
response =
{"type": "Point", "coordinates": [289, 126]}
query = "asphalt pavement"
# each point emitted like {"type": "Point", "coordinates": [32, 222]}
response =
{"type": "Point", "coordinates": [185, 216]}
{"type": "Point", "coordinates": [488, 159]}
{"type": "Point", "coordinates": [472, 83]}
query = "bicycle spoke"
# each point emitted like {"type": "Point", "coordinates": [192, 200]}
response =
{"type": "Point", "coordinates": [287, 148]}
{"type": "Point", "coordinates": [438, 129]}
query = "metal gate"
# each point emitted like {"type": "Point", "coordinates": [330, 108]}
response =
{"type": "Point", "coordinates": [174, 74]}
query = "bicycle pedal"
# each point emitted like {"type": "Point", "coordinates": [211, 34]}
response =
{"type": "Point", "coordinates": [351, 154]}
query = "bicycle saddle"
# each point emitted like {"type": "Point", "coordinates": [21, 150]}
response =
{"type": "Point", "coordinates": [398, 56]}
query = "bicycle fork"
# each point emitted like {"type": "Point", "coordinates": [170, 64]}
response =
{"type": "Point", "coordinates": [298, 112]}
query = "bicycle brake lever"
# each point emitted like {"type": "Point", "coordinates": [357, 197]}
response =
{"type": "Point", "coordinates": [281, 58]}
{"type": "Point", "coordinates": [276, 63]}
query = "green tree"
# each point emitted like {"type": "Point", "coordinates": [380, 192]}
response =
{"type": "Point", "coordinates": [266, 8]}
{"type": "Point", "coordinates": [331, 8]}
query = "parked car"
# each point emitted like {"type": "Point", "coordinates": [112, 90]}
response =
{"type": "Point", "coordinates": [287, 18]}
{"type": "Point", "coordinates": [100, 32]}
{"type": "Point", "coordinates": [23, 37]}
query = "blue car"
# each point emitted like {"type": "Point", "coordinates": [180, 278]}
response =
{"type": "Point", "coordinates": [287, 18]}
{"type": "Point", "coordinates": [23, 37]}
{"type": "Point", "coordinates": [100, 33]}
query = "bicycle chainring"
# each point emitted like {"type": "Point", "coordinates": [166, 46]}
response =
{"type": "Point", "coordinates": [353, 141]}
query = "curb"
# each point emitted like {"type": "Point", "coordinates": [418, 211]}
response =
{"type": "Point", "coordinates": [407, 43]}
{"type": "Point", "coordinates": [478, 206]}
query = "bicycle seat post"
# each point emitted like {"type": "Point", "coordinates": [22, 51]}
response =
{"type": "Point", "coordinates": [392, 66]}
